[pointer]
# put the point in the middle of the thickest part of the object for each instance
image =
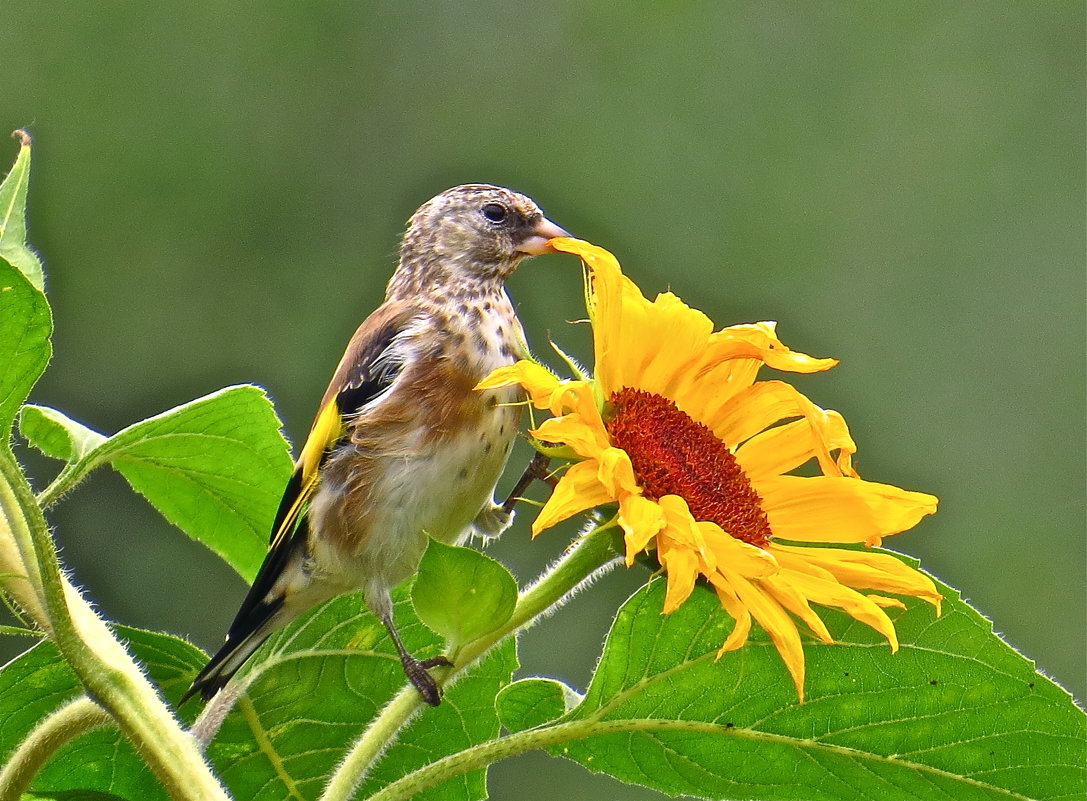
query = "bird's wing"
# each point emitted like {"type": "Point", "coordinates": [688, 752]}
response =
{"type": "Point", "coordinates": [369, 366]}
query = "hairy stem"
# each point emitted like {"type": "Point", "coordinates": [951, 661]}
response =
{"type": "Point", "coordinates": [65, 481]}
{"type": "Point", "coordinates": [584, 559]}
{"type": "Point", "coordinates": [63, 725]}
{"type": "Point", "coordinates": [381, 732]}
{"type": "Point", "coordinates": [481, 755]}
{"type": "Point", "coordinates": [101, 662]}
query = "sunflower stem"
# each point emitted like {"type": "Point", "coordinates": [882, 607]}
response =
{"type": "Point", "coordinates": [587, 557]}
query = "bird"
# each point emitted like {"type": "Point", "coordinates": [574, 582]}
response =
{"type": "Point", "coordinates": [402, 446]}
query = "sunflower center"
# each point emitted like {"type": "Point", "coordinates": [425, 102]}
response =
{"type": "Point", "coordinates": [673, 454]}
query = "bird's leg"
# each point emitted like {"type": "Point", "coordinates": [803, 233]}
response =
{"type": "Point", "coordinates": [537, 469]}
{"type": "Point", "coordinates": [414, 669]}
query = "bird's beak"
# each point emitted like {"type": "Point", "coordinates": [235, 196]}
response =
{"type": "Point", "coordinates": [536, 242]}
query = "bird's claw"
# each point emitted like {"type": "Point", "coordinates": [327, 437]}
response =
{"type": "Point", "coordinates": [416, 671]}
{"type": "Point", "coordinates": [435, 661]}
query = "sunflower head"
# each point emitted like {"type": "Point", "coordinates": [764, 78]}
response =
{"type": "Point", "coordinates": [699, 459]}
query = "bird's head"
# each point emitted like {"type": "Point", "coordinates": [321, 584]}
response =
{"type": "Point", "coordinates": [474, 232]}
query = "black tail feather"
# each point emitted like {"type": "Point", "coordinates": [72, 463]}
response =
{"type": "Point", "coordinates": [246, 635]}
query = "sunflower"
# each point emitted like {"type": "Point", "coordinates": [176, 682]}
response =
{"type": "Point", "coordinates": [700, 457]}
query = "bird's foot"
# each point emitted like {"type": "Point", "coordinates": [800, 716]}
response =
{"type": "Point", "coordinates": [421, 680]}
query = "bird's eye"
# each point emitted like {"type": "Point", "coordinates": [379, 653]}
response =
{"type": "Point", "coordinates": [495, 212]}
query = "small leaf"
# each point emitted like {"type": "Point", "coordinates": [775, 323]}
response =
{"type": "Point", "coordinates": [462, 594]}
{"type": "Point", "coordinates": [13, 245]}
{"type": "Point", "coordinates": [57, 435]}
{"type": "Point", "coordinates": [100, 763]}
{"type": "Point", "coordinates": [25, 326]}
{"type": "Point", "coordinates": [313, 688]}
{"type": "Point", "coordinates": [529, 703]}
{"type": "Point", "coordinates": [956, 713]}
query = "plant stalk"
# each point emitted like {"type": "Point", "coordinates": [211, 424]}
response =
{"type": "Point", "coordinates": [63, 725]}
{"type": "Point", "coordinates": [98, 659]}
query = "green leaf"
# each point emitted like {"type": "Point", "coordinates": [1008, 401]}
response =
{"type": "Point", "coordinates": [57, 435]}
{"type": "Point", "coordinates": [956, 713]}
{"type": "Point", "coordinates": [529, 703]}
{"type": "Point", "coordinates": [25, 326]}
{"type": "Point", "coordinates": [462, 594]}
{"type": "Point", "coordinates": [13, 245]}
{"type": "Point", "coordinates": [314, 687]}
{"type": "Point", "coordinates": [214, 467]}
{"type": "Point", "coordinates": [38, 681]}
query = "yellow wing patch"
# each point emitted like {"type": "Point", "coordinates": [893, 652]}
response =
{"type": "Point", "coordinates": [326, 432]}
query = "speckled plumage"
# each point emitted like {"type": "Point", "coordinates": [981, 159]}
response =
{"type": "Point", "coordinates": [403, 446]}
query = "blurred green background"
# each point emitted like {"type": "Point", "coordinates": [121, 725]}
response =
{"type": "Point", "coordinates": [217, 195]}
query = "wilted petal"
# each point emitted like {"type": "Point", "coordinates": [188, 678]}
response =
{"type": "Point", "coordinates": [861, 570]}
{"type": "Point", "coordinates": [776, 622]}
{"type": "Point", "coordinates": [857, 606]}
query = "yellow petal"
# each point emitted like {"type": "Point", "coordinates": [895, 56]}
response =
{"type": "Point", "coordinates": [616, 308]}
{"type": "Point", "coordinates": [837, 509]}
{"type": "Point", "coordinates": [786, 447]}
{"type": "Point", "coordinates": [641, 520]}
{"type": "Point", "coordinates": [735, 608]}
{"type": "Point", "coordinates": [753, 409]}
{"type": "Point", "coordinates": [683, 532]}
{"type": "Point", "coordinates": [617, 473]}
{"type": "Point", "coordinates": [671, 345]}
{"type": "Point", "coordinates": [861, 570]}
{"type": "Point", "coordinates": [831, 593]}
{"type": "Point", "coordinates": [786, 592]}
{"type": "Point", "coordinates": [886, 603]}
{"type": "Point", "coordinates": [574, 396]}
{"type": "Point", "coordinates": [681, 565]}
{"type": "Point", "coordinates": [816, 509]}
{"type": "Point", "coordinates": [748, 560]}
{"type": "Point", "coordinates": [539, 382]}
{"type": "Point", "coordinates": [759, 342]}
{"type": "Point", "coordinates": [776, 622]}
{"type": "Point", "coordinates": [896, 509]}
{"type": "Point", "coordinates": [577, 490]}
{"type": "Point", "coordinates": [587, 437]}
